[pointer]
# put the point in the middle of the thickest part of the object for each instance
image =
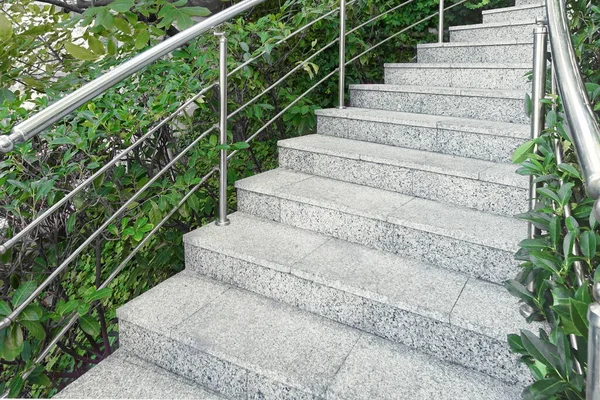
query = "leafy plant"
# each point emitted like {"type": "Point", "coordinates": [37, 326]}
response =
{"type": "Point", "coordinates": [548, 285]}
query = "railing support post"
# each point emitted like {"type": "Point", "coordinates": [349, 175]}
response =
{"type": "Point", "coordinates": [222, 220]}
{"type": "Point", "coordinates": [342, 83]}
{"type": "Point", "coordinates": [593, 369]}
{"type": "Point", "coordinates": [441, 23]}
{"type": "Point", "coordinates": [538, 93]}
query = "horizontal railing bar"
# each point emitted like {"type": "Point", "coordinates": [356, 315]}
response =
{"type": "Point", "coordinates": [51, 114]}
{"type": "Point", "coordinates": [296, 100]}
{"type": "Point", "coordinates": [4, 247]}
{"type": "Point", "coordinates": [296, 68]}
{"type": "Point", "coordinates": [379, 16]}
{"type": "Point", "coordinates": [402, 31]}
{"type": "Point", "coordinates": [7, 321]}
{"type": "Point", "coordinates": [251, 60]}
{"type": "Point", "coordinates": [157, 227]}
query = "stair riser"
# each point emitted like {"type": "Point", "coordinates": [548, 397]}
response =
{"type": "Point", "coordinates": [512, 53]}
{"type": "Point", "coordinates": [528, 14]}
{"type": "Point", "coordinates": [479, 78]}
{"type": "Point", "coordinates": [217, 374]}
{"type": "Point", "coordinates": [439, 140]}
{"type": "Point", "coordinates": [508, 32]}
{"type": "Point", "coordinates": [472, 193]}
{"type": "Point", "coordinates": [491, 109]}
{"type": "Point", "coordinates": [452, 343]}
{"type": "Point", "coordinates": [483, 262]}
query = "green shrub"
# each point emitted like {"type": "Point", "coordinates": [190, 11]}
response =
{"type": "Point", "coordinates": [550, 259]}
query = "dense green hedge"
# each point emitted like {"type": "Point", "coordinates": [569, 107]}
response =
{"type": "Point", "coordinates": [549, 260]}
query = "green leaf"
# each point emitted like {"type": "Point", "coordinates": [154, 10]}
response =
{"type": "Point", "coordinates": [5, 308]}
{"type": "Point", "coordinates": [122, 25]}
{"type": "Point", "coordinates": [515, 343]}
{"type": "Point", "coordinates": [89, 325]}
{"type": "Point", "coordinates": [545, 389]}
{"type": "Point", "coordinates": [578, 312]}
{"type": "Point", "coordinates": [13, 343]}
{"type": "Point", "coordinates": [244, 46]}
{"type": "Point", "coordinates": [16, 385]}
{"type": "Point", "coordinates": [541, 350]}
{"type": "Point", "coordinates": [99, 294]}
{"type": "Point", "coordinates": [549, 193]}
{"type": "Point", "coordinates": [564, 194]}
{"type": "Point", "coordinates": [571, 224]}
{"type": "Point", "coordinates": [517, 289]}
{"type": "Point", "coordinates": [79, 52]}
{"type": "Point", "coordinates": [142, 38]}
{"type": "Point", "coordinates": [32, 312]}
{"type": "Point", "coordinates": [569, 170]}
{"type": "Point", "coordinates": [6, 29]}
{"type": "Point", "coordinates": [555, 231]}
{"type": "Point", "coordinates": [587, 242]}
{"type": "Point", "coordinates": [96, 46]}
{"type": "Point", "coordinates": [35, 329]}
{"type": "Point", "coordinates": [196, 11]}
{"type": "Point", "coordinates": [523, 151]}
{"type": "Point", "coordinates": [22, 293]}
{"type": "Point", "coordinates": [121, 6]}
{"type": "Point", "coordinates": [67, 308]}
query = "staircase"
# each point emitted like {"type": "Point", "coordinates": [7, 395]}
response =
{"type": "Point", "coordinates": [369, 264]}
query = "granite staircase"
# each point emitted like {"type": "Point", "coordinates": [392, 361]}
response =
{"type": "Point", "coordinates": [369, 264]}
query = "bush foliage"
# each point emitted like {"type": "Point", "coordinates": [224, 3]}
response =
{"type": "Point", "coordinates": [548, 284]}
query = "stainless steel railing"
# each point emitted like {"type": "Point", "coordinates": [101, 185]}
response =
{"type": "Point", "coordinates": [585, 135]}
{"type": "Point", "coordinates": [47, 117]}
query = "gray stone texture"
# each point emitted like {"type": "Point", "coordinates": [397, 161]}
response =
{"type": "Point", "coordinates": [506, 52]}
{"type": "Point", "coordinates": [494, 31]}
{"type": "Point", "coordinates": [397, 223]}
{"type": "Point", "coordinates": [417, 173]}
{"type": "Point", "coordinates": [125, 376]}
{"type": "Point", "coordinates": [479, 76]}
{"type": "Point", "coordinates": [484, 140]}
{"type": "Point", "coordinates": [524, 2]}
{"type": "Point", "coordinates": [495, 105]}
{"type": "Point", "coordinates": [526, 12]}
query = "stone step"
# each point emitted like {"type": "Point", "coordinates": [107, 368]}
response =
{"type": "Point", "coordinates": [524, 2]}
{"type": "Point", "coordinates": [506, 52]}
{"type": "Point", "coordinates": [484, 140]}
{"type": "Point", "coordinates": [477, 184]}
{"type": "Point", "coordinates": [448, 236]}
{"type": "Point", "coordinates": [431, 309]}
{"type": "Point", "coordinates": [125, 376]}
{"type": "Point", "coordinates": [494, 31]}
{"type": "Point", "coordinates": [244, 345]}
{"type": "Point", "coordinates": [479, 76]}
{"type": "Point", "coordinates": [487, 104]}
{"type": "Point", "coordinates": [523, 12]}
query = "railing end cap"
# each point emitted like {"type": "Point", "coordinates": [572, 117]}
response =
{"type": "Point", "coordinates": [6, 144]}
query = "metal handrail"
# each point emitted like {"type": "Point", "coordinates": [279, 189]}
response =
{"type": "Point", "coordinates": [585, 135]}
{"type": "Point", "coordinates": [53, 113]}
{"type": "Point", "coordinates": [39, 122]}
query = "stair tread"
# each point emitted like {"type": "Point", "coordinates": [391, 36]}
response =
{"type": "Point", "coordinates": [301, 350]}
{"type": "Point", "coordinates": [513, 8]}
{"type": "Point", "coordinates": [442, 90]}
{"type": "Point", "coordinates": [502, 42]}
{"type": "Point", "coordinates": [486, 171]}
{"type": "Point", "coordinates": [435, 217]}
{"type": "Point", "coordinates": [460, 65]}
{"type": "Point", "coordinates": [495, 128]}
{"type": "Point", "coordinates": [411, 285]}
{"type": "Point", "coordinates": [492, 25]}
{"type": "Point", "coordinates": [125, 376]}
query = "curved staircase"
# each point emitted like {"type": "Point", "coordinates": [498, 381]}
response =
{"type": "Point", "coordinates": [369, 264]}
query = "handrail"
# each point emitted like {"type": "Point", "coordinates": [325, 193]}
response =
{"type": "Point", "coordinates": [585, 135]}
{"type": "Point", "coordinates": [578, 110]}
{"type": "Point", "coordinates": [53, 113]}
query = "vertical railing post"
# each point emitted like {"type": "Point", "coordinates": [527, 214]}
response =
{"type": "Point", "coordinates": [593, 366]}
{"type": "Point", "coordinates": [441, 23]}
{"type": "Point", "coordinates": [222, 219]}
{"type": "Point", "coordinates": [342, 82]}
{"type": "Point", "coordinates": [538, 93]}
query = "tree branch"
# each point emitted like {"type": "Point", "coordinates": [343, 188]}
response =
{"type": "Point", "coordinates": [64, 5]}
